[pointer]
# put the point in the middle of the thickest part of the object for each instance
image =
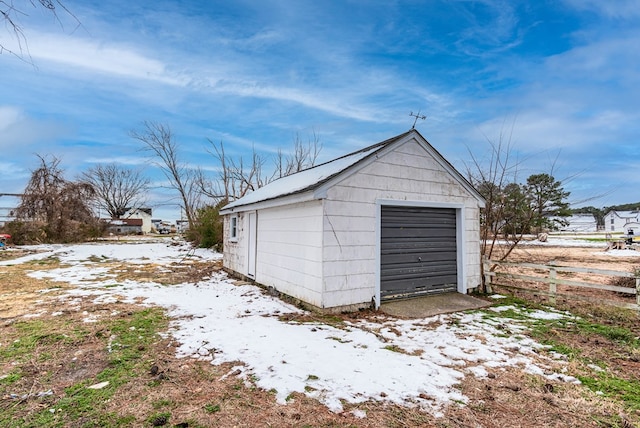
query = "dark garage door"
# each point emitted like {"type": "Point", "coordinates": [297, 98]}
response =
{"type": "Point", "coordinates": [417, 251]}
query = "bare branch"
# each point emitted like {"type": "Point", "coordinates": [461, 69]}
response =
{"type": "Point", "coordinates": [12, 17]}
{"type": "Point", "coordinates": [158, 139]}
{"type": "Point", "coordinates": [62, 208]}
{"type": "Point", "coordinates": [118, 189]}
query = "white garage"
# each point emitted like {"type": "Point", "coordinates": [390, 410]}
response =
{"type": "Point", "coordinates": [393, 220]}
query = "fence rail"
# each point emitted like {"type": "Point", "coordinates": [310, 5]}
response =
{"type": "Point", "coordinates": [492, 277]}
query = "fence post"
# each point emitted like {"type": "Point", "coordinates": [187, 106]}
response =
{"type": "Point", "coordinates": [487, 277]}
{"type": "Point", "coordinates": [552, 285]}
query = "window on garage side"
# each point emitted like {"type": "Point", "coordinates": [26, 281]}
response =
{"type": "Point", "coordinates": [233, 228]}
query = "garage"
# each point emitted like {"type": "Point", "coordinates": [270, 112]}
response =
{"type": "Point", "coordinates": [389, 221]}
{"type": "Point", "coordinates": [418, 251]}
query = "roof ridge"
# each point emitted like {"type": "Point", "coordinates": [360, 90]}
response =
{"type": "Point", "coordinates": [362, 150]}
{"type": "Point", "coordinates": [315, 176]}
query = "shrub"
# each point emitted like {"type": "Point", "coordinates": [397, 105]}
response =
{"type": "Point", "coordinates": [207, 230]}
{"type": "Point", "coordinates": [39, 232]}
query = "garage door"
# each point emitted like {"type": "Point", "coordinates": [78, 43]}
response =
{"type": "Point", "coordinates": [417, 251]}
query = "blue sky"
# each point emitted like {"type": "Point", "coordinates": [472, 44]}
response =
{"type": "Point", "coordinates": [561, 78]}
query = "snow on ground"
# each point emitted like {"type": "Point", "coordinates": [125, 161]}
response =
{"type": "Point", "coordinates": [408, 362]}
{"type": "Point", "coordinates": [135, 252]}
{"type": "Point", "coordinates": [619, 253]}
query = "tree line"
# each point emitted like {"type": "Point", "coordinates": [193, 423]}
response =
{"type": "Point", "coordinates": [599, 213]}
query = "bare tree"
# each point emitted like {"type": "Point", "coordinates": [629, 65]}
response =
{"type": "Point", "coordinates": [221, 189]}
{"type": "Point", "coordinates": [303, 156]}
{"type": "Point", "coordinates": [61, 209]}
{"type": "Point", "coordinates": [117, 188]}
{"type": "Point", "coordinates": [12, 15]}
{"type": "Point", "coordinates": [158, 139]}
{"type": "Point", "coordinates": [512, 210]}
{"type": "Point", "coordinates": [40, 200]}
{"type": "Point", "coordinates": [496, 179]}
{"type": "Point", "coordinates": [237, 176]}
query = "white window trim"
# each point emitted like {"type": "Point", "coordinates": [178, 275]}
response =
{"type": "Point", "coordinates": [233, 228]}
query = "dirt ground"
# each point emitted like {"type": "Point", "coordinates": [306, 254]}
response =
{"type": "Point", "coordinates": [580, 257]}
{"type": "Point", "coordinates": [201, 394]}
{"type": "Point", "coordinates": [593, 257]}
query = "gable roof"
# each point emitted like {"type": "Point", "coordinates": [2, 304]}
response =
{"type": "Point", "coordinates": [315, 177]}
{"type": "Point", "coordinates": [624, 214]}
{"type": "Point", "coordinates": [135, 210]}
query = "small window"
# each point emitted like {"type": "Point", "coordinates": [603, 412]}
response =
{"type": "Point", "coordinates": [233, 228]}
{"type": "Point", "coordinates": [612, 220]}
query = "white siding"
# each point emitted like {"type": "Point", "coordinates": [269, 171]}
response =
{"type": "Point", "coordinates": [325, 251]}
{"type": "Point", "coordinates": [616, 221]}
{"type": "Point", "coordinates": [235, 252]}
{"type": "Point", "coordinates": [350, 225]}
{"type": "Point", "coordinates": [289, 252]}
{"type": "Point", "coordinates": [576, 223]}
{"type": "Point", "coordinates": [146, 219]}
{"type": "Point", "coordinates": [633, 227]}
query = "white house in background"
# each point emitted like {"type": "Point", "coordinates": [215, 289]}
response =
{"type": "Point", "coordinates": [140, 213]}
{"type": "Point", "coordinates": [632, 226]}
{"type": "Point", "coordinates": [577, 223]}
{"type": "Point", "coordinates": [392, 220]}
{"type": "Point", "coordinates": [182, 226]}
{"type": "Point", "coordinates": [620, 221]}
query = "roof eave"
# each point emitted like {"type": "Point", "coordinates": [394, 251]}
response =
{"type": "Point", "coordinates": [293, 198]}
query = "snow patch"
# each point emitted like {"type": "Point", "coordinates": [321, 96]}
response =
{"type": "Point", "coordinates": [415, 362]}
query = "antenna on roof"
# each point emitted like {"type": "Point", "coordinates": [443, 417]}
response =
{"type": "Point", "coordinates": [417, 116]}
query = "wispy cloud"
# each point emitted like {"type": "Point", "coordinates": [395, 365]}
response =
{"type": "Point", "coordinates": [252, 74]}
{"type": "Point", "coordinates": [488, 27]}
{"type": "Point", "coordinates": [620, 9]}
{"type": "Point", "coordinates": [19, 131]}
{"type": "Point", "coordinates": [8, 116]}
{"type": "Point", "coordinates": [84, 54]}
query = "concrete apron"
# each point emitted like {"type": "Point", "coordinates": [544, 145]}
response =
{"type": "Point", "coordinates": [428, 306]}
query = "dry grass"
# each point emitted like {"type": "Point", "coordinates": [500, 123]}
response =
{"type": "Point", "coordinates": [190, 393]}
{"type": "Point", "coordinates": [514, 399]}
{"type": "Point", "coordinates": [584, 257]}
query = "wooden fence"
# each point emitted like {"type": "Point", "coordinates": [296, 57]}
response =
{"type": "Point", "coordinates": [550, 276]}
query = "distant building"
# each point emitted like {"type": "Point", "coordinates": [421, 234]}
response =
{"type": "Point", "coordinates": [8, 204]}
{"type": "Point", "coordinates": [125, 226]}
{"type": "Point", "coordinates": [576, 223]}
{"type": "Point", "coordinates": [163, 227]}
{"type": "Point", "coordinates": [182, 226]}
{"type": "Point", "coordinates": [621, 221]}
{"type": "Point", "coordinates": [632, 228]}
{"type": "Point", "coordinates": [143, 214]}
